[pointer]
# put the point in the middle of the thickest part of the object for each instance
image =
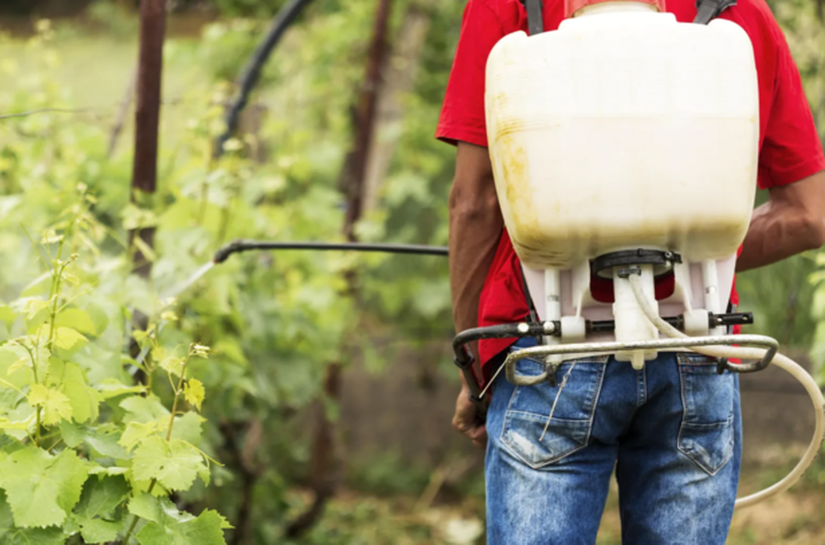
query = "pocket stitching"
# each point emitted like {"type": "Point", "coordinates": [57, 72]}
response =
{"type": "Point", "coordinates": [542, 418]}
{"type": "Point", "coordinates": [551, 460]}
{"type": "Point", "coordinates": [693, 453]}
{"type": "Point", "coordinates": [587, 421]}
{"type": "Point", "coordinates": [689, 451]}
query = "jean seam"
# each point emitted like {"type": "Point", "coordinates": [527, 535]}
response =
{"type": "Point", "coordinates": [595, 402]}
{"type": "Point", "coordinates": [684, 359]}
{"type": "Point", "coordinates": [543, 417]}
{"type": "Point", "coordinates": [641, 387]}
{"type": "Point", "coordinates": [546, 462]}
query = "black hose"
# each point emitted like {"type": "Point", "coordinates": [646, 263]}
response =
{"type": "Point", "coordinates": [252, 71]}
{"type": "Point", "coordinates": [247, 245]}
{"type": "Point", "coordinates": [503, 331]}
{"type": "Point", "coordinates": [464, 358]}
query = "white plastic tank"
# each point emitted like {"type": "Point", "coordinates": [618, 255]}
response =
{"type": "Point", "coordinates": [624, 129]}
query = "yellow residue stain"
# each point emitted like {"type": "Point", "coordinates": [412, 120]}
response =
{"type": "Point", "coordinates": [514, 167]}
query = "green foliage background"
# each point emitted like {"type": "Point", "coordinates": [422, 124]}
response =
{"type": "Point", "coordinates": [273, 322]}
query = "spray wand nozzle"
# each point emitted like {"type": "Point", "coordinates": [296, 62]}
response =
{"type": "Point", "coordinates": [224, 252]}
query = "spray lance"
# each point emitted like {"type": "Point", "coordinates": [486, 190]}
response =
{"type": "Point", "coordinates": [463, 357]}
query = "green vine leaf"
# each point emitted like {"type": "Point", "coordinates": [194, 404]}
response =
{"type": "Point", "coordinates": [174, 464]}
{"type": "Point", "coordinates": [6, 519]}
{"type": "Point", "coordinates": [101, 496]}
{"type": "Point", "coordinates": [38, 536]}
{"type": "Point", "coordinates": [146, 506]}
{"type": "Point", "coordinates": [20, 425]}
{"type": "Point", "coordinates": [172, 365]}
{"type": "Point", "coordinates": [69, 340]}
{"type": "Point", "coordinates": [187, 428]}
{"type": "Point", "coordinates": [137, 432]}
{"type": "Point", "coordinates": [77, 319]}
{"type": "Point", "coordinates": [96, 530]}
{"type": "Point", "coordinates": [143, 409]}
{"type": "Point", "coordinates": [85, 401]}
{"type": "Point", "coordinates": [37, 312]}
{"type": "Point", "coordinates": [103, 440]}
{"type": "Point", "coordinates": [194, 392]}
{"type": "Point", "coordinates": [110, 388]}
{"type": "Point", "coordinates": [55, 405]}
{"type": "Point", "coordinates": [42, 489]}
{"type": "Point", "coordinates": [206, 529]}
{"type": "Point", "coordinates": [12, 359]}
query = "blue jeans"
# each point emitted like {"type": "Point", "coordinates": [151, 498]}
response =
{"type": "Point", "coordinates": [671, 431]}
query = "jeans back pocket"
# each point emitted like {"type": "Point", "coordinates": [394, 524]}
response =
{"type": "Point", "coordinates": [706, 434]}
{"type": "Point", "coordinates": [526, 432]}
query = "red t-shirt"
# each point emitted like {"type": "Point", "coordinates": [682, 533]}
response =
{"type": "Point", "coordinates": [790, 149]}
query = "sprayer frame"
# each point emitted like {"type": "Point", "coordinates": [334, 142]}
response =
{"type": "Point", "coordinates": [464, 359]}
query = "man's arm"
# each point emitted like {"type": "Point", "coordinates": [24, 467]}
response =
{"type": "Point", "coordinates": [792, 221]}
{"type": "Point", "coordinates": [475, 229]}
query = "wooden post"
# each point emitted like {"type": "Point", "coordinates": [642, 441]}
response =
{"type": "Point", "coordinates": [147, 112]}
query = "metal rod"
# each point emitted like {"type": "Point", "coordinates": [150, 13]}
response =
{"type": "Point", "coordinates": [247, 245]}
{"type": "Point", "coordinates": [553, 328]}
{"type": "Point", "coordinates": [541, 352]}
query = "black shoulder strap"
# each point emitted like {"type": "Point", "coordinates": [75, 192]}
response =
{"type": "Point", "coordinates": [535, 20]}
{"type": "Point", "coordinates": [708, 10]}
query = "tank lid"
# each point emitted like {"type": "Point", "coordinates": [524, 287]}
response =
{"type": "Point", "coordinates": [572, 6]}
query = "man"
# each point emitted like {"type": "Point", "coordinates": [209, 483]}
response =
{"type": "Point", "coordinates": [553, 489]}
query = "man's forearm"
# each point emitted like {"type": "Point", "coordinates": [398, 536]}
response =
{"type": "Point", "coordinates": [473, 244]}
{"type": "Point", "coordinates": [792, 222]}
{"type": "Point", "coordinates": [475, 229]}
{"type": "Point", "coordinates": [771, 237]}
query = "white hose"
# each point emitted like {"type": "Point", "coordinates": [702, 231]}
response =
{"type": "Point", "coordinates": [779, 360]}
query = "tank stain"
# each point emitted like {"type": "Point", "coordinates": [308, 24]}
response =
{"type": "Point", "coordinates": [514, 168]}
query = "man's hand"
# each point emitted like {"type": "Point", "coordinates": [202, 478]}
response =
{"type": "Point", "coordinates": [466, 420]}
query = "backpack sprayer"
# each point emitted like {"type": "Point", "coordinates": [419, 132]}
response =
{"type": "Point", "coordinates": [625, 146]}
